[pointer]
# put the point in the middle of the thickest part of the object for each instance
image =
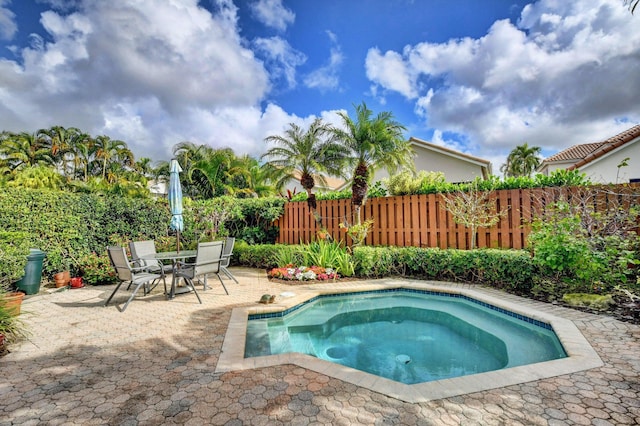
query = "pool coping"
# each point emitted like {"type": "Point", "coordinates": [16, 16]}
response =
{"type": "Point", "coordinates": [581, 356]}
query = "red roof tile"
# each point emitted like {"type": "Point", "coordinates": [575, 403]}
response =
{"type": "Point", "coordinates": [609, 145]}
{"type": "Point", "coordinates": [587, 152]}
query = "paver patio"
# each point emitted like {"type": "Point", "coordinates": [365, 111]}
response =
{"type": "Point", "coordinates": [155, 364]}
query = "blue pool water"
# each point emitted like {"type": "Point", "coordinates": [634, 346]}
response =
{"type": "Point", "coordinates": [405, 335]}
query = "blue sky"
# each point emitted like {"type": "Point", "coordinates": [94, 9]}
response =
{"type": "Point", "coordinates": [479, 77]}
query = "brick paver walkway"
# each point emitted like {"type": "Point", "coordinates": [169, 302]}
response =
{"type": "Point", "coordinates": [154, 364]}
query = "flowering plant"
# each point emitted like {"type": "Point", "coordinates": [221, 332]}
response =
{"type": "Point", "coordinates": [303, 273]}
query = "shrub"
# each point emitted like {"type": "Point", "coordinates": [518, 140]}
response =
{"type": "Point", "coordinates": [14, 248]}
{"type": "Point", "coordinates": [405, 183]}
{"type": "Point", "coordinates": [263, 256]}
{"type": "Point", "coordinates": [97, 269]}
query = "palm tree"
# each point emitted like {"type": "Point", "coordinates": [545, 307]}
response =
{"type": "Point", "coordinates": [306, 155]}
{"type": "Point", "coordinates": [373, 142]}
{"type": "Point", "coordinates": [111, 150]}
{"type": "Point", "coordinates": [205, 169]}
{"type": "Point", "coordinates": [25, 150]}
{"type": "Point", "coordinates": [249, 178]}
{"type": "Point", "coordinates": [60, 141]}
{"type": "Point", "coordinates": [632, 4]}
{"type": "Point", "coordinates": [82, 152]}
{"type": "Point", "coordinates": [522, 161]}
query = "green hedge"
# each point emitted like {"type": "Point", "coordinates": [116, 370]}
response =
{"type": "Point", "coordinates": [69, 227]}
{"type": "Point", "coordinates": [14, 246]}
{"type": "Point", "coordinates": [509, 269]}
{"type": "Point", "coordinates": [512, 270]}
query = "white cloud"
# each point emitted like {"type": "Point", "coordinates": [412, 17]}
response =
{"type": "Point", "coordinates": [390, 71]}
{"type": "Point", "coordinates": [326, 77]}
{"type": "Point", "coordinates": [272, 13]}
{"type": "Point", "coordinates": [281, 58]}
{"type": "Point", "coordinates": [8, 25]}
{"type": "Point", "coordinates": [565, 74]}
{"type": "Point", "coordinates": [145, 72]}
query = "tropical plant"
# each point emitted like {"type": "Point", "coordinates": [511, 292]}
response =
{"type": "Point", "coordinates": [373, 143]}
{"type": "Point", "coordinates": [25, 150]}
{"type": "Point", "coordinates": [357, 232]}
{"type": "Point", "coordinates": [109, 150]}
{"type": "Point", "coordinates": [206, 169]}
{"type": "Point", "coordinates": [306, 155]}
{"type": "Point", "coordinates": [248, 178]}
{"type": "Point", "coordinates": [522, 161]}
{"type": "Point", "coordinates": [329, 254]}
{"type": "Point", "coordinates": [11, 326]}
{"type": "Point", "coordinates": [37, 177]}
{"type": "Point", "coordinates": [632, 4]}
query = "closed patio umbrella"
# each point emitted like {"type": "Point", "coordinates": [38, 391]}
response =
{"type": "Point", "coordinates": [175, 199]}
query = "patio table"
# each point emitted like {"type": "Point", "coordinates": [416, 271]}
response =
{"type": "Point", "coordinates": [173, 256]}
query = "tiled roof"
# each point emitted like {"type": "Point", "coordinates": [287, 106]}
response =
{"type": "Point", "coordinates": [609, 145]}
{"type": "Point", "coordinates": [576, 152]}
{"type": "Point", "coordinates": [587, 152]}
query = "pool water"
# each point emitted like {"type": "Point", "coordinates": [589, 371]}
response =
{"type": "Point", "coordinates": [405, 335]}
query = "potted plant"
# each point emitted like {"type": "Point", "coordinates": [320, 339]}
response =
{"type": "Point", "coordinates": [11, 327]}
{"type": "Point", "coordinates": [14, 247]}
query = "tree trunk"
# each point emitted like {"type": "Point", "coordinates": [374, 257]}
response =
{"type": "Point", "coordinates": [359, 189]}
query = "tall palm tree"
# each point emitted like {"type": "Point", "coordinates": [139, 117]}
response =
{"type": "Point", "coordinates": [522, 161]}
{"type": "Point", "coordinates": [25, 150]}
{"type": "Point", "coordinates": [373, 142]}
{"type": "Point", "coordinates": [111, 150]}
{"type": "Point", "coordinates": [82, 152]}
{"type": "Point", "coordinates": [60, 141]}
{"type": "Point", "coordinates": [632, 4]}
{"type": "Point", "coordinates": [306, 155]}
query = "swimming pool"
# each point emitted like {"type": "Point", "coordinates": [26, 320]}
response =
{"type": "Point", "coordinates": [580, 355]}
{"type": "Point", "coordinates": [405, 335]}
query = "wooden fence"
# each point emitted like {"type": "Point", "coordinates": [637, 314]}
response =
{"type": "Point", "coordinates": [423, 220]}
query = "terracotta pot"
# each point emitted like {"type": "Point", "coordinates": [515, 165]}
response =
{"type": "Point", "coordinates": [60, 279]}
{"type": "Point", "coordinates": [13, 301]}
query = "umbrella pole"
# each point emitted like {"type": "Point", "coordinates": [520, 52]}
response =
{"type": "Point", "coordinates": [178, 240]}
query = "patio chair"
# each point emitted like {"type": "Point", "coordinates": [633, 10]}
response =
{"type": "Point", "coordinates": [126, 273]}
{"type": "Point", "coordinates": [147, 248]}
{"type": "Point", "coordinates": [227, 250]}
{"type": "Point", "coordinates": [208, 261]}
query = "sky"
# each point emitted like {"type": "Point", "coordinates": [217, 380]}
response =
{"type": "Point", "coordinates": [478, 77]}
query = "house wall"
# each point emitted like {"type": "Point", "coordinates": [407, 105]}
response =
{"type": "Point", "coordinates": [454, 169]}
{"type": "Point", "coordinates": [605, 168]}
{"type": "Point", "coordinates": [550, 168]}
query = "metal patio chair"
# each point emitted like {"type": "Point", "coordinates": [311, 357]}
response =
{"type": "Point", "coordinates": [142, 253]}
{"type": "Point", "coordinates": [126, 273]}
{"type": "Point", "coordinates": [208, 261]}
{"type": "Point", "coordinates": [227, 250]}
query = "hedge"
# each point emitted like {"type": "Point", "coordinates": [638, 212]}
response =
{"type": "Point", "coordinates": [512, 270]}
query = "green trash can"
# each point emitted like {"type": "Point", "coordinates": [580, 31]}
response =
{"type": "Point", "coordinates": [30, 282]}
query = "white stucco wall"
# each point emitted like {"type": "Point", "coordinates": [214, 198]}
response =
{"type": "Point", "coordinates": [550, 168]}
{"type": "Point", "coordinates": [605, 168]}
{"type": "Point", "coordinates": [454, 169]}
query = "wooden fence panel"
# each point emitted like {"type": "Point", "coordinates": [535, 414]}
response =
{"type": "Point", "coordinates": [423, 221]}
